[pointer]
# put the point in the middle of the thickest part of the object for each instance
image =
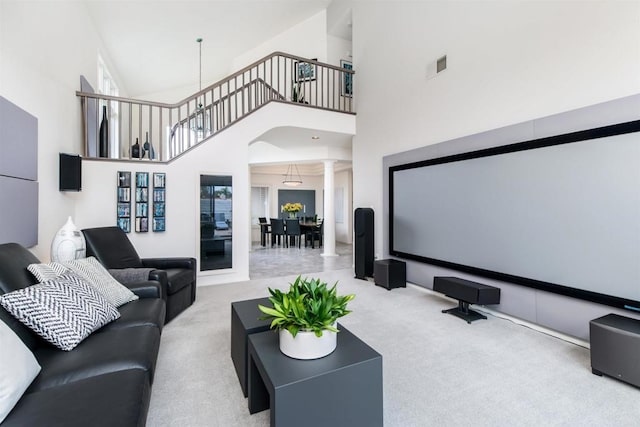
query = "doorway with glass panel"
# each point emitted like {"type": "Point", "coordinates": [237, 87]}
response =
{"type": "Point", "coordinates": [216, 225]}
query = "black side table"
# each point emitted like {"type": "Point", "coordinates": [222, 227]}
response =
{"type": "Point", "coordinates": [390, 273]}
{"type": "Point", "coordinates": [244, 321]}
{"type": "Point", "coordinates": [343, 389]}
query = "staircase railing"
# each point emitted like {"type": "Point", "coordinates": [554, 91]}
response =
{"type": "Point", "coordinates": [155, 131]}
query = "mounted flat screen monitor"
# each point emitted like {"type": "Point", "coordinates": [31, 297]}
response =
{"type": "Point", "coordinates": [561, 214]}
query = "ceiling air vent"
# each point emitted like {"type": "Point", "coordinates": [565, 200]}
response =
{"type": "Point", "coordinates": [441, 64]}
{"type": "Point", "coordinates": [437, 66]}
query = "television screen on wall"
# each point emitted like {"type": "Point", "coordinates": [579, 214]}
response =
{"type": "Point", "coordinates": [561, 214]}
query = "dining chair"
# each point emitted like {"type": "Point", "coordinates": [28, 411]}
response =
{"type": "Point", "coordinates": [277, 230]}
{"type": "Point", "coordinates": [265, 228]}
{"type": "Point", "coordinates": [292, 231]}
{"type": "Point", "coordinates": [315, 233]}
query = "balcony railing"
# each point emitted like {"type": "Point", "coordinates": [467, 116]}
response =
{"type": "Point", "coordinates": [155, 131]}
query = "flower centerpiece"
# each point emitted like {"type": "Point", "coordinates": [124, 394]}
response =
{"type": "Point", "coordinates": [306, 317]}
{"type": "Point", "coordinates": [292, 209]}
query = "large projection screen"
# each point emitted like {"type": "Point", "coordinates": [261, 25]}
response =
{"type": "Point", "coordinates": [560, 214]}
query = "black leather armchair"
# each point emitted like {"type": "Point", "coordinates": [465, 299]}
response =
{"type": "Point", "coordinates": [177, 276]}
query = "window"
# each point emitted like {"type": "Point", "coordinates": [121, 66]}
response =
{"type": "Point", "coordinates": [108, 86]}
{"type": "Point", "coordinates": [259, 203]}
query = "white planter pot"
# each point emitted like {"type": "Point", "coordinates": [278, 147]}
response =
{"type": "Point", "coordinates": [306, 345]}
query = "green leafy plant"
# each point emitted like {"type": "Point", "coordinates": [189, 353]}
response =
{"type": "Point", "coordinates": [308, 306]}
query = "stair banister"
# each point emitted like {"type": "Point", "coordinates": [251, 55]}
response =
{"type": "Point", "coordinates": [185, 124]}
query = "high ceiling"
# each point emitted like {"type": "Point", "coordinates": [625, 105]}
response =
{"type": "Point", "coordinates": [144, 36]}
{"type": "Point", "coordinates": [152, 46]}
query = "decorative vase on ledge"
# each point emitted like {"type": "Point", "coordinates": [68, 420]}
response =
{"type": "Point", "coordinates": [135, 150]}
{"type": "Point", "coordinates": [292, 215]}
{"type": "Point", "coordinates": [104, 134]}
{"type": "Point", "coordinates": [148, 147]}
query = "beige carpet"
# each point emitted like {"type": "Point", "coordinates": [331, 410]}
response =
{"type": "Point", "coordinates": [438, 370]}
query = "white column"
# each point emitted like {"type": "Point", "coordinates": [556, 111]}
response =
{"type": "Point", "coordinates": [329, 239]}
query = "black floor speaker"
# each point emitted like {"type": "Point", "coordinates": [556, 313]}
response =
{"type": "Point", "coordinates": [363, 242]}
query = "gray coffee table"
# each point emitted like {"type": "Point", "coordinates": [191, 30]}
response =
{"type": "Point", "coordinates": [244, 321]}
{"type": "Point", "coordinates": [341, 389]}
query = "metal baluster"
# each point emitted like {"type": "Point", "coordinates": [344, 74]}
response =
{"type": "Point", "coordinates": [229, 99]}
{"type": "Point", "coordinates": [170, 137]}
{"type": "Point", "coordinates": [188, 129]}
{"type": "Point", "coordinates": [119, 130]}
{"type": "Point", "coordinates": [321, 80]}
{"type": "Point", "coordinates": [97, 142]}
{"type": "Point", "coordinates": [150, 131]}
{"type": "Point", "coordinates": [130, 126]}
{"type": "Point", "coordinates": [211, 113]}
{"type": "Point", "coordinates": [140, 127]}
{"type": "Point", "coordinates": [160, 148]}
{"type": "Point", "coordinates": [242, 97]}
{"type": "Point", "coordinates": [85, 122]}
{"type": "Point", "coordinates": [178, 137]}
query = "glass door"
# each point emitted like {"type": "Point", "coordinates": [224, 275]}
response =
{"type": "Point", "coordinates": [216, 226]}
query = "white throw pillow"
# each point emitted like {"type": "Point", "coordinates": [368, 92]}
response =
{"type": "Point", "coordinates": [18, 368]}
{"type": "Point", "coordinates": [64, 311]}
{"type": "Point", "coordinates": [49, 271]}
{"type": "Point", "coordinates": [92, 271]}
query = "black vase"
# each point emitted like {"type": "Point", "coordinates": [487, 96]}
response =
{"type": "Point", "coordinates": [148, 147]}
{"type": "Point", "coordinates": [104, 134]}
{"type": "Point", "coordinates": [135, 150]}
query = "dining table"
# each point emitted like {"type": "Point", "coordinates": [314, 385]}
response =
{"type": "Point", "coordinates": [305, 227]}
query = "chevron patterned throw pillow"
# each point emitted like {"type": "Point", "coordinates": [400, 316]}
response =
{"type": "Point", "coordinates": [93, 272]}
{"type": "Point", "coordinates": [90, 270]}
{"type": "Point", "coordinates": [64, 310]}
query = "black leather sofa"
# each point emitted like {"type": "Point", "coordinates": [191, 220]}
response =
{"type": "Point", "coordinates": [111, 246]}
{"type": "Point", "coordinates": [104, 381]}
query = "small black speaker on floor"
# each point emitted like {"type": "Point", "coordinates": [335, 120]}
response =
{"type": "Point", "coordinates": [70, 172]}
{"type": "Point", "coordinates": [363, 242]}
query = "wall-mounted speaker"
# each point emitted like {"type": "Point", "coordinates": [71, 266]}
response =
{"type": "Point", "coordinates": [70, 172]}
{"type": "Point", "coordinates": [363, 242]}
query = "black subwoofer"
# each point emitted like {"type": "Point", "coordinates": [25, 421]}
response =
{"type": "Point", "coordinates": [363, 242]}
{"type": "Point", "coordinates": [615, 346]}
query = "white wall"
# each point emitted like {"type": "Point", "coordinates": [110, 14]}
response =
{"type": "Point", "coordinates": [508, 62]}
{"type": "Point", "coordinates": [44, 48]}
{"type": "Point", "coordinates": [338, 49]}
{"type": "Point", "coordinates": [224, 154]}
{"type": "Point", "coordinates": [307, 39]}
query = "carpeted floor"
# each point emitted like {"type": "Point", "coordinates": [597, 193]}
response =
{"type": "Point", "coordinates": [438, 370]}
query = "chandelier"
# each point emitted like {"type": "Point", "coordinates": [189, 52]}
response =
{"type": "Point", "coordinates": [290, 179]}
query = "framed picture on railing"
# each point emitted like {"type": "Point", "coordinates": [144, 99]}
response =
{"type": "Point", "coordinates": [304, 71]}
{"type": "Point", "coordinates": [347, 79]}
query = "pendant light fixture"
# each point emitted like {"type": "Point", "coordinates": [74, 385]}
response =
{"type": "Point", "coordinates": [199, 126]}
{"type": "Point", "coordinates": [291, 180]}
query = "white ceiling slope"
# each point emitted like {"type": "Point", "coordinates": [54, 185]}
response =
{"type": "Point", "coordinates": [152, 43]}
